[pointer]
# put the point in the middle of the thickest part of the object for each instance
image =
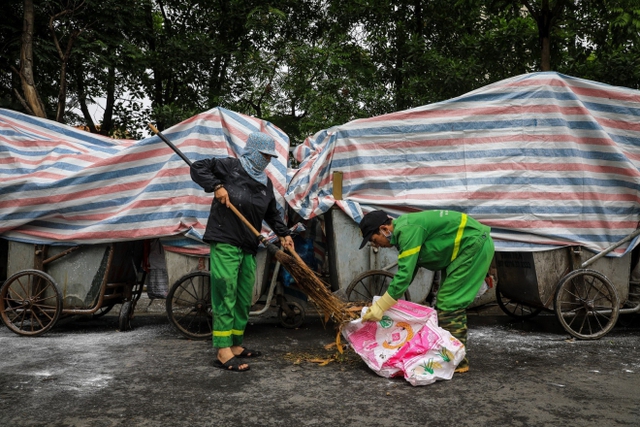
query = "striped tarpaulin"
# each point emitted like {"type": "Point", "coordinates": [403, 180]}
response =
{"type": "Point", "coordinates": [60, 184]}
{"type": "Point", "coordinates": [545, 159]}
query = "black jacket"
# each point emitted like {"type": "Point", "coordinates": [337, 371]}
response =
{"type": "Point", "coordinates": [254, 200]}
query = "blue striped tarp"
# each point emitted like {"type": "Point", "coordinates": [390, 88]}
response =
{"type": "Point", "coordinates": [545, 159]}
{"type": "Point", "coordinates": [61, 184]}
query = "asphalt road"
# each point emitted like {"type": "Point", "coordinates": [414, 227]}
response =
{"type": "Point", "coordinates": [86, 373]}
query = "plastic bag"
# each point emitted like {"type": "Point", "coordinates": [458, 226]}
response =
{"type": "Point", "coordinates": [157, 277]}
{"type": "Point", "coordinates": [407, 342]}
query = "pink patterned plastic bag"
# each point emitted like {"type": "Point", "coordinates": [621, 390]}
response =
{"type": "Point", "coordinates": [406, 341]}
{"type": "Point", "coordinates": [431, 355]}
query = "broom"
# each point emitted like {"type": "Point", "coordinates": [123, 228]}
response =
{"type": "Point", "coordinates": [307, 281]}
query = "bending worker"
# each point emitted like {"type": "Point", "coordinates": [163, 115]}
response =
{"type": "Point", "coordinates": [437, 240]}
{"type": "Point", "coordinates": [243, 183]}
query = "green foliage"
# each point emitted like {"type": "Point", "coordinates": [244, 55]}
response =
{"type": "Point", "coordinates": [304, 65]}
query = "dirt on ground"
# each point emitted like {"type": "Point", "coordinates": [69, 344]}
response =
{"type": "Point", "coordinates": [85, 372]}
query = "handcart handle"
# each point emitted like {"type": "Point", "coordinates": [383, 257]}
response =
{"type": "Point", "coordinates": [609, 249]}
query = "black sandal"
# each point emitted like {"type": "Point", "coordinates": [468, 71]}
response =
{"type": "Point", "coordinates": [232, 364]}
{"type": "Point", "coordinates": [249, 353]}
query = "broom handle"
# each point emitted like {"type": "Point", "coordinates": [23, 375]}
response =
{"type": "Point", "coordinates": [170, 144]}
{"type": "Point", "coordinates": [247, 223]}
{"type": "Point", "coordinates": [263, 239]}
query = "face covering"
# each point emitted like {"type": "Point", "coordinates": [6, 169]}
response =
{"type": "Point", "coordinates": [252, 160]}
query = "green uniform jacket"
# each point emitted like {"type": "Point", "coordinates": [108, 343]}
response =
{"type": "Point", "coordinates": [430, 239]}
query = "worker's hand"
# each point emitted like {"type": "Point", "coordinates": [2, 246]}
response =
{"type": "Point", "coordinates": [222, 196]}
{"type": "Point", "coordinates": [287, 243]}
{"type": "Point", "coordinates": [377, 309]}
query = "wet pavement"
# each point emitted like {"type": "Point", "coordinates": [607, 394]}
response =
{"type": "Point", "coordinates": [86, 373]}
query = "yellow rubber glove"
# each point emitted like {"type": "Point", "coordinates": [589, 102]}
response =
{"type": "Point", "coordinates": [377, 309]}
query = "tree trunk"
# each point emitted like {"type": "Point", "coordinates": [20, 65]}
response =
{"type": "Point", "coordinates": [31, 97]}
{"type": "Point", "coordinates": [64, 60]}
{"type": "Point", "coordinates": [107, 119]}
{"type": "Point", "coordinates": [156, 92]}
{"type": "Point", "coordinates": [545, 54]}
{"type": "Point", "coordinates": [62, 93]}
{"type": "Point", "coordinates": [82, 96]}
{"type": "Point", "coordinates": [398, 72]}
{"type": "Point", "coordinates": [545, 18]}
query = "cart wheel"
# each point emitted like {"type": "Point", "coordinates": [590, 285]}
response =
{"type": "Point", "coordinates": [586, 304]}
{"type": "Point", "coordinates": [369, 284]}
{"type": "Point", "coordinates": [31, 302]}
{"type": "Point", "coordinates": [513, 308]}
{"type": "Point", "coordinates": [295, 318]}
{"type": "Point", "coordinates": [189, 305]}
{"type": "Point", "coordinates": [124, 319]}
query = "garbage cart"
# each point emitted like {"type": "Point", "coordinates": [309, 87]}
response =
{"type": "Point", "coordinates": [45, 283]}
{"type": "Point", "coordinates": [587, 291]}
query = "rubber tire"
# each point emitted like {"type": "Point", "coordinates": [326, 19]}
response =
{"type": "Point", "coordinates": [292, 322]}
{"type": "Point", "coordinates": [124, 318]}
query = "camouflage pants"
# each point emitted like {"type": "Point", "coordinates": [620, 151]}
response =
{"type": "Point", "coordinates": [456, 323]}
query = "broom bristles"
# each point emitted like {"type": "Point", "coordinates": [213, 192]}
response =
{"type": "Point", "coordinates": [332, 306]}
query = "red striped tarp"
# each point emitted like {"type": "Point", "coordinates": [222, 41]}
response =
{"type": "Point", "coordinates": [545, 159]}
{"type": "Point", "coordinates": [60, 184]}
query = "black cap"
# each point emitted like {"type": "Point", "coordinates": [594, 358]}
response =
{"type": "Point", "coordinates": [370, 225]}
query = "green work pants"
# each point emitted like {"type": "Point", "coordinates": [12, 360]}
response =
{"type": "Point", "coordinates": [460, 284]}
{"type": "Point", "coordinates": [233, 274]}
{"type": "Point", "coordinates": [463, 278]}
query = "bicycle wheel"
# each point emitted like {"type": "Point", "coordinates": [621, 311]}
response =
{"type": "Point", "coordinates": [369, 284]}
{"type": "Point", "coordinates": [189, 305]}
{"type": "Point", "coordinates": [586, 304]}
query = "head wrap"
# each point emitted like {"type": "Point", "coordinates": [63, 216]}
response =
{"type": "Point", "coordinates": [252, 160]}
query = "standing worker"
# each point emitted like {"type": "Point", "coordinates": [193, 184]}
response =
{"type": "Point", "coordinates": [243, 183]}
{"type": "Point", "coordinates": [437, 240]}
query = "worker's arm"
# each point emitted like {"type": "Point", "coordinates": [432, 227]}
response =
{"type": "Point", "coordinates": [272, 217]}
{"type": "Point", "coordinates": [203, 173]}
{"type": "Point", "coordinates": [410, 240]}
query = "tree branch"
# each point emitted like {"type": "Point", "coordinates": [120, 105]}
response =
{"type": "Point", "coordinates": [23, 102]}
{"type": "Point", "coordinates": [534, 13]}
